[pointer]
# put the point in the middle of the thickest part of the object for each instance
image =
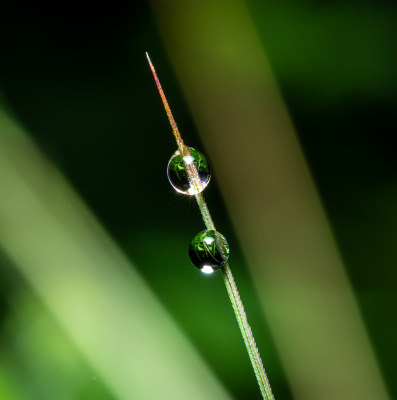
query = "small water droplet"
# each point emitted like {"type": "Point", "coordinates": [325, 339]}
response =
{"type": "Point", "coordinates": [209, 251]}
{"type": "Point", "coordinates": [178, 174]}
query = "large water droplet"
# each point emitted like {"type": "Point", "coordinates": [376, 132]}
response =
{"type": "Point", "coordinates": [209, 251]}
{"type": "Point", "coordinates": [178, 174]}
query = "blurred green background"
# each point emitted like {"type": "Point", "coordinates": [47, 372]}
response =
{"type": "Point", "coordinates": [75, 79]}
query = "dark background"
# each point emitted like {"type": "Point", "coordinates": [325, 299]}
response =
{"type": "Point", "coordinates": [76, 78]}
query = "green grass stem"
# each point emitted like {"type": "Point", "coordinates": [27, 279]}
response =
{"type": "Point", "coordinates": [227, 275]}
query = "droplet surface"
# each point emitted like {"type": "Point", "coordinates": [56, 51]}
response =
{"type": "Point", "coordinates": [178, 174]}
{"type": "Point", "coordinates": [209, 251]}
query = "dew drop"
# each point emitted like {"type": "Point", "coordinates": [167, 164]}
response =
{"type": "Point", "coordinates": [178, 174]}
{"type": "Point", "coordinates": [209, 251]}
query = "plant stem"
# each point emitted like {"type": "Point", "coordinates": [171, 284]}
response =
{"type": "Point", "coordinates": [238, 308]}
{"type": "Point", "coordinates": [246, 332]}
{"type": "Point", "coordinates": [230, 284]}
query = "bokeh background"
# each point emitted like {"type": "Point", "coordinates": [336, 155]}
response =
{"type": "Point", "coordinates": [98, 299]}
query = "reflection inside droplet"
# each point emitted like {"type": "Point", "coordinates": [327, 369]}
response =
{"type": "Point", "coordinates": [208, 240]}
{"type": "Point", "coordinates": [188, 159]}
{"type": "Point", "coordinates": [179, 176]}
{"type": "Point", "coordinates": [209, 251]}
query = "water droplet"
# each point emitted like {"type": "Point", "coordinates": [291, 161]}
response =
{"type": "Point", "coordinates": [178, 174]}
{"type": "Point", "coordinates": [209, 251]}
